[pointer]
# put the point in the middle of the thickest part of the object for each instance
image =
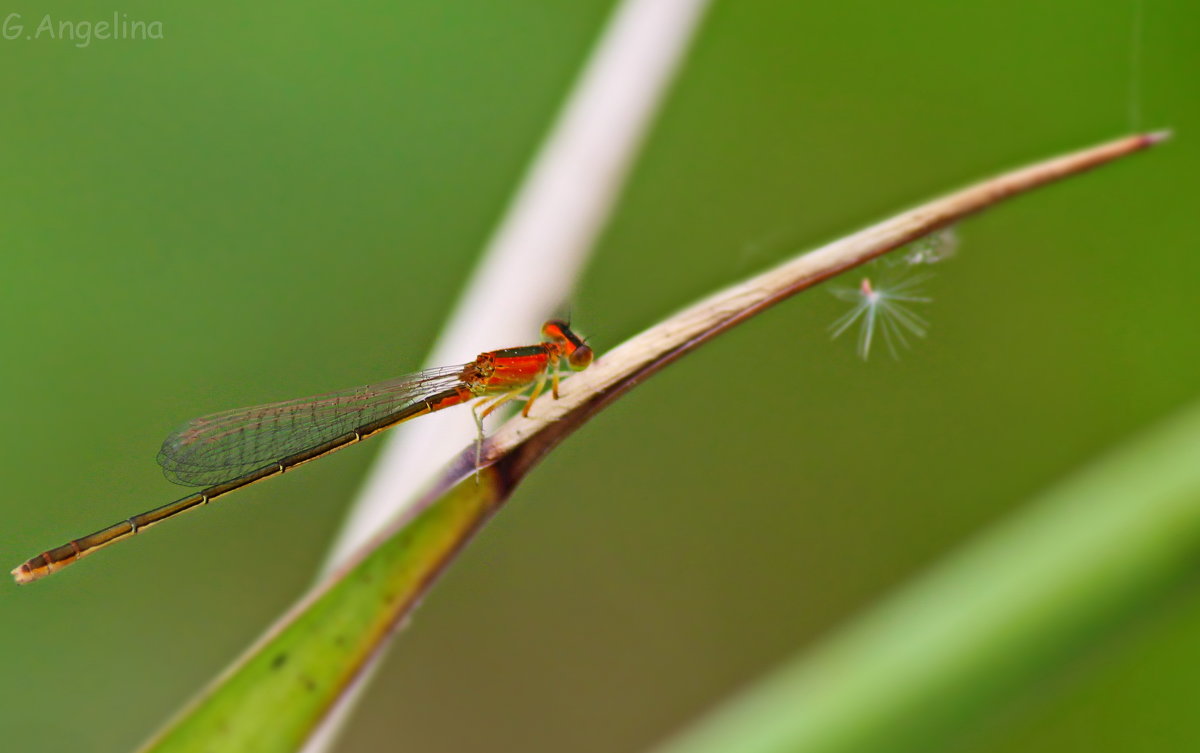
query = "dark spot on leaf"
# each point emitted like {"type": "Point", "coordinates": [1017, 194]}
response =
{"type": "Point", "coordinates": [279, 661]}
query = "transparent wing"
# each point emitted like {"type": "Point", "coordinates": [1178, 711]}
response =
{"type": "Point", "coordinates": [220, 447]}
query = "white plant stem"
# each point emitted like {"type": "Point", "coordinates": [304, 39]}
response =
{"type": "Point", "coordinates": [535, 255]}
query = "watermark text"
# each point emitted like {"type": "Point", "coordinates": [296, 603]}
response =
{"type": "Point", "coordinates": [118, 27]}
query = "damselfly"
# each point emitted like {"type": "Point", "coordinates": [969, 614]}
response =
{"type": "Point", "coordinates": [226, 451]}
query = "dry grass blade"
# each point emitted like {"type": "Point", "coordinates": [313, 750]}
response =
{"type": "Point", "coordinates": [520, 441]}
{"type": "Point", "coordinates": [273, 698]}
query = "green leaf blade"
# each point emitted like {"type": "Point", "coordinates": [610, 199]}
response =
{"type": "Point", "coordinates": [273, 699]}
{"type": "Point", "coordinates": [1008, 609]}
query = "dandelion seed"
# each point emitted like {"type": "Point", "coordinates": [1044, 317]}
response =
{"type": "Point", "coordinates": [936, 247]}
{"type": "Point", "coordinates": [882, 310]}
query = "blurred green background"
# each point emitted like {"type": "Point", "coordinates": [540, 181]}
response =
{"type": "Point", "coordinates": [281, 199]}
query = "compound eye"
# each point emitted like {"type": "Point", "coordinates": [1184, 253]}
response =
{"type": "Point", "coordinates": [553, 330]}
{"type": "Point", "coordinates": [580, 358]}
